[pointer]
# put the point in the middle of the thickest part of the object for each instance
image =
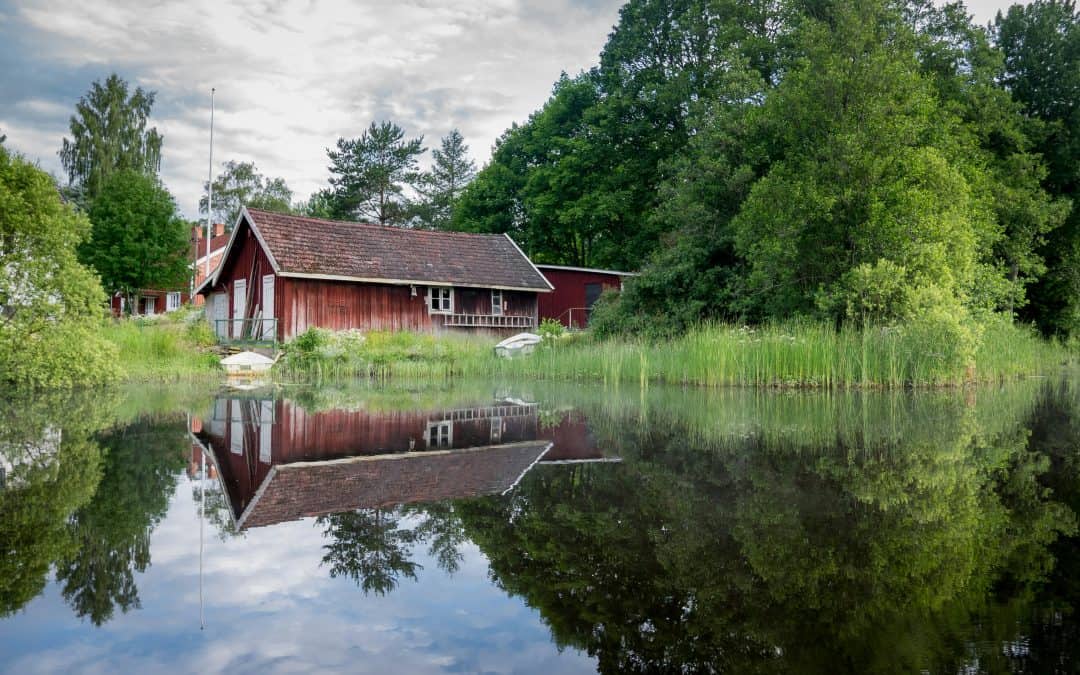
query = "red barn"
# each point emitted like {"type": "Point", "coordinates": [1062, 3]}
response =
{"type": "Point", "coordinates": [283, 274]}
{"type": "Point", "coordinates": [576, 290]}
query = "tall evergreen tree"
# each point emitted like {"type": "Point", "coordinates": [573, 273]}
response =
{"type": "Point", "coordinates": [109, 134]}
{"type": "Point", "coordinates": [370, 175]}
{"type": "Point", "coordinates": [440, 188]}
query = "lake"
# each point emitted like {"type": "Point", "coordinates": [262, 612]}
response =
{"type": "Point", "coordinates": [540, 528]}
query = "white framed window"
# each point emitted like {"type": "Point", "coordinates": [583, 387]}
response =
{"type": "Point", "coordinates": [440, 300]}
{"type": "Point", "coordinates": [440, 434]}
{"type": "Point", "coordinates": [172, 302]}
{"type": "Point", "coordinates": [496, 302]}
{"type": "Point", "coordinates": [149, 304]}
{"type": "Point", "coordinates": [496, 429]}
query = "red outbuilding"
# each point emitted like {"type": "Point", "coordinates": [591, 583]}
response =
{"type": "Point", "coordinates": [282, 274]}
{"type": "Point", "coordinates": [576, 290]}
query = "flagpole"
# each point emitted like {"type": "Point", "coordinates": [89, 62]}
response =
{"type": "Point", "coordinates": [210, 189]}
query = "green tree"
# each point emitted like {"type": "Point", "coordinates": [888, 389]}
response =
{"type": "Point", "coordinates": [108, 134]}
{"type": "Point", "coordinates": [50, 305]}
{"type": "Point", "coordinates": [320, 204]}
{"type": "Point", "coordinates": [369, 547]}
{"type": "Point", "coordinates": [241, 184]}
{"type": "Point", "coordinates": [370, 174]}
{"type": "Point", "coordinates": [1041, 46]}
{"type": "Point", "coordinates": [138, 239]}
{"type": "Point", "coordinates": [440, 188]}
{"type": "Point", "coordinates": [578, 182]}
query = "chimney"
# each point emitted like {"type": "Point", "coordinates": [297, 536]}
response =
{"type": "Point", "coordinates": [196, 232]}
{"type": "Point", "coordinates": [219, 229]}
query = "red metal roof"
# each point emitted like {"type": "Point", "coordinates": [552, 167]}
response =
{"type": "Point", "coordinates": [363, 251]}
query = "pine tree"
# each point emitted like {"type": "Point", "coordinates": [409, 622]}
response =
{"type": "Point", "coordinates": [370, 174]}
{"type": "Point", "coordinates": [440, 188]}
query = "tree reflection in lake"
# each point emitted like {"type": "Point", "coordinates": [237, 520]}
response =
{"type": "Point", "coordinates": [655, 530]}
{"type": "Point", "coordinates": [50, 467]}
{"type": "Point", "coordinates": [112, 532]}
{"type": "Point", "coordinates": [916, 538]}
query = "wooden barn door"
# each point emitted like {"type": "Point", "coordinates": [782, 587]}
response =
{"type": "Point", "coordinates": [268, 327]}
{"type": "Point", "coordinates": [239, 307]}
{"type": "Point", "coordinates": [219, 314]}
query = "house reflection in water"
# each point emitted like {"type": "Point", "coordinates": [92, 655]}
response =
{"type": "Point", "coordinates": [278, 461]}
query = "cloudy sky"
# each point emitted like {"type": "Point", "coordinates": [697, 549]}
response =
{"type": "Point", "coordinates": [292, 77]}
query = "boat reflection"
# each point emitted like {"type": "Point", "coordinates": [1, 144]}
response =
{"type": "Point", "coordinates": [279, 461]}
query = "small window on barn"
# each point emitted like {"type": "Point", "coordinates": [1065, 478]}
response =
{"type": "Point", "coordinates": [172, 302]}
{"type": "Point", "coordinates": [496, 302]}
{"type": "Point", "coordinates": [440, 300]}
{"type": "Point", "coordinates": [440, 434]}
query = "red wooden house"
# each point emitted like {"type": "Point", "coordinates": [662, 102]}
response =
{"type": "Point", "coordinates": [283, 274]}
{"type": "Point", "coordinates": [576, 290]}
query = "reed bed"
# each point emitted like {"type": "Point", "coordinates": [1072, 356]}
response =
{"type": "Point", "coordinates": [795, 354]}
{"type": "Point", "coordinates": [792, 354]}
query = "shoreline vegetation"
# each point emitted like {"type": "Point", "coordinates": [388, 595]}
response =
{"type": "Point", "coordinates": [796, 354]}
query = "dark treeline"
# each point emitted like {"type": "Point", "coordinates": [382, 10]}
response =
{"type": "Point", "coordinates": [868, 161]}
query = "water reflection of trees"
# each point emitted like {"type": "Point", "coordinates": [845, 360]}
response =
{"type": "Point", "coordinates": [51, 468]}
{"type": "Point", "coordinates": [374, 547]}
{"type": "Point", "coordinates": [141, 464]}
{"type": "Point", "coordinates": [83, 489]}
{"type": "Point", "coordinates": [912, 535]}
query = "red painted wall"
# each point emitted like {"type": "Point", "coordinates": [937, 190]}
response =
{"type": "Point", "coordinates": [300, 304]}
{"type": "Point", "coordinates": [569, 293]}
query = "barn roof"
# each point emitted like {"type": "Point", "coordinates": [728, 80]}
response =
{"type": "Point", "coordinates": [304, 489]}
{"type": "Point", "coordinates": [328, 249]}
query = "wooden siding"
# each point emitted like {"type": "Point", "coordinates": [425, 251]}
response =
{"type": "Point", "coordinates": [248, 261]}
{"type": "Point", "coordinates": [343, 305]}
{"type": "Point", "coordinates": [569, 293]}
{"type": "Point", "coordinates": [300, 304]}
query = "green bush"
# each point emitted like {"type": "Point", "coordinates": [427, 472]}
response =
{"type": "Point", "coordinates": [551, 330]}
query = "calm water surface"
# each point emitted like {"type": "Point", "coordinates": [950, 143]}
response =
{"type": "Point", "coordinates": [540, 529]}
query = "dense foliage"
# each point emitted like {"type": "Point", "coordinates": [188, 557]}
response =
{"type": "Point", "coordinates": [1040, 43]}
{"type": "Point", "coordinates": [875, 162]}
{"type": "Point", "coordinates": [138, 240]}
{"type": "Point", "coordinates": [50, 304]}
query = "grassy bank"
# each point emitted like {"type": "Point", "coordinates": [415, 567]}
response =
{"type": "Point", "coordinates": [794, 354]}
{"type": "Point", "coordinates": [168, 348]}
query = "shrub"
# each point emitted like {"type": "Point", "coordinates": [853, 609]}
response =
{"type": "Point", "coordinates": [550, 330]}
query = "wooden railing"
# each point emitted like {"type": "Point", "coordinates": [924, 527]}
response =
{"type": "Point", "coordinates": [254, 332]}
{"type": "Point", "coordinates": [575, 318]}
{"type": "Point", "coordinates": [489, 321]}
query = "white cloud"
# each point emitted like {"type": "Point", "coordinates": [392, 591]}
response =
{"type": "Point", "coordinates": [293, 77]}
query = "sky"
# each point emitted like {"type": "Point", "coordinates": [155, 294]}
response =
{"type": "Point", "coordinates": [293, 77]}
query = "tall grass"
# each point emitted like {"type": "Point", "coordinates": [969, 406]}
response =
{"type": "Point", "coordinates": [322, 355]}
{"type": "Point", "coordinates": [790, 354]}
{"type": "Point", "coordinates": [170, 348]}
